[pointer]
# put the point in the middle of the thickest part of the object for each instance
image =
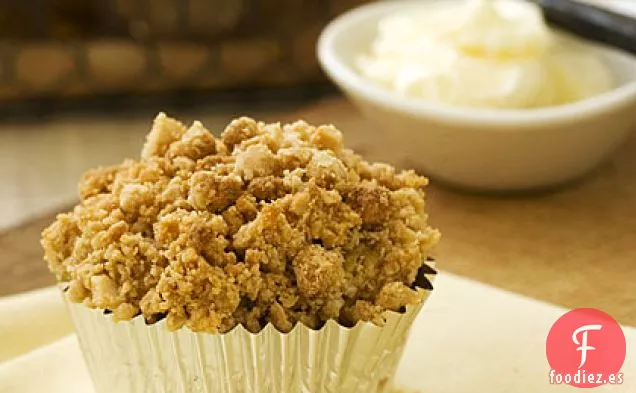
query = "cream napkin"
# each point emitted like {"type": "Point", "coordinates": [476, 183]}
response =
{"type": "Point", "coordinates": [469, 338]}
{"type": "Point", "coordinates": [30, 320]}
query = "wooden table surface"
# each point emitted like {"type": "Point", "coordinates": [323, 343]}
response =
{"type": "Point", "coordinates": [575, 247]}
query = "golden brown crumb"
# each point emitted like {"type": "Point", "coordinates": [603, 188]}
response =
{"type": "Point", "coordinates": [196, 143]}
{"type": "Point", "coordinates": [318, 271]}
{"type": "Point", "coordinates": [239, 130]}
{"type": "Point", "coordinates": [96, 181]}
{"type": "Point", "coordinates": [270, 223]}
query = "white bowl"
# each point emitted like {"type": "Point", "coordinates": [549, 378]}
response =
{"type": "Point", "coordinates": [476, 148]}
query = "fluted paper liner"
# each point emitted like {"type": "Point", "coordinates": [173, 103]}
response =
{"type": "Point", "coordinates": [133, 357]}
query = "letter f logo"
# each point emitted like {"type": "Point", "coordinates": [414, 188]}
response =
{"type": "Point", "coordinates": [583, 344]}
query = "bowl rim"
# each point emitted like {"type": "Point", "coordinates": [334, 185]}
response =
{"type": "Point", "coordinates": [349, 79]}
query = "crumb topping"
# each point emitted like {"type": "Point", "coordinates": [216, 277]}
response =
{"type": "Point", "coordinates": [269, 223]}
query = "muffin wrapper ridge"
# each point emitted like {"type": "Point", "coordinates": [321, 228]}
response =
{"type": "Point", "coordinates": [133, 357]}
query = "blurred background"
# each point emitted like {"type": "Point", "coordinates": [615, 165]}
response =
{"type": "Point", "coordinates": [56, 52]}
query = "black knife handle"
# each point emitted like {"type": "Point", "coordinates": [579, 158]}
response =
{"type": "Point", "coordinates": [591, 22]}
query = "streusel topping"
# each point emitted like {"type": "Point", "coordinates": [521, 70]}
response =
{"type": "Point", "coordinates": [269, 223]}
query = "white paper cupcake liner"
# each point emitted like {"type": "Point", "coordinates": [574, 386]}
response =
{"type": "Point", "coordinates": [132, 357]}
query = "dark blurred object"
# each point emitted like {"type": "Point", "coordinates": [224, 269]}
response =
{"type": "Point", "coordinates": [79, 48]}
{"type": "Point", "coordinates": [592, 22]}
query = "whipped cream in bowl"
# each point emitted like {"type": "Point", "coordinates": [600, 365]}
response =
{"type": "Point", "coordinates": [481, 53]}
{"type": "Point", "coordinates": [481, 94]}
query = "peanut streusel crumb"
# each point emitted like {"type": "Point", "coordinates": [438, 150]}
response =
{"type": "Point", "coordinates": [270, 223]}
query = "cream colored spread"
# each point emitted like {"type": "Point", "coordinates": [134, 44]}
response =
{"type": "Point", "coordinates": [482, 53]}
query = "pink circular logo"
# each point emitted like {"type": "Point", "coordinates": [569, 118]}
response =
{"type": "Point", "coordinates": [586, 348]}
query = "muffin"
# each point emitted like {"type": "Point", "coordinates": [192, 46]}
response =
{"type": "Point", "coordinates": [271, 259]}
